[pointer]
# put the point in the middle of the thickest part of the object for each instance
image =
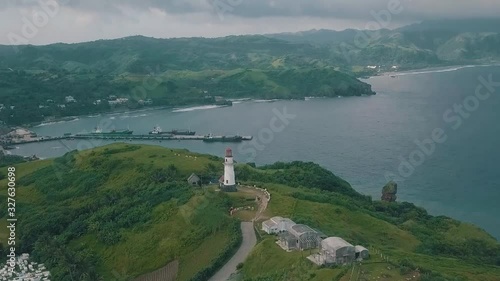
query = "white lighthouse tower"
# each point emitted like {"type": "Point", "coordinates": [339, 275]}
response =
{"type": "Point", "coordinates": [229, 183]}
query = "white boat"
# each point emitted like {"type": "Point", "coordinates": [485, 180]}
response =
{"type": "Point", "coordinates": [156, 131]}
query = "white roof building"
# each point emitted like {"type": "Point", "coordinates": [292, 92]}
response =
{"type": "Point", "coordinates": [334, 250]}
{"type": "Point", "coordinates": [118, 101]}
{"type": "Point", "coordinates": [277, 225]}
{"type": "Point", "coordinates": [69, 99]}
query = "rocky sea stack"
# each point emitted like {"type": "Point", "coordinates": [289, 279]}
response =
{"type": "Point", "coordinates": [389, 192]}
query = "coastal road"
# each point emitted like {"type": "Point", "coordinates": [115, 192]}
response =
{"type": "Point", "coordinates": [249, 240]}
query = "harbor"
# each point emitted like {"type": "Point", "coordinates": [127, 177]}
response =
{"type": "Point", "coordinates": [125, 135]}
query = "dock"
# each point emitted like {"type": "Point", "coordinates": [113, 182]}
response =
{"type": "Point", "coordinates": [120, 138]}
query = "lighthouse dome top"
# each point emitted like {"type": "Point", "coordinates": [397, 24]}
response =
{"type": "Point", "coordinates": [229, 152]}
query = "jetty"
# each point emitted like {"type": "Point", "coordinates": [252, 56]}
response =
{"type": "Point", "coordinates": [124, 137]}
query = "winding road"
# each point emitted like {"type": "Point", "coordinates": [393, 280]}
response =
{"type": "Point", "coordinates": [248, 242]}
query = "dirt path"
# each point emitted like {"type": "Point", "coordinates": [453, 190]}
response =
{"type": "Point", "coordinates": [264, 200]}
{"type": "Point", "coordinates": [263, 196]}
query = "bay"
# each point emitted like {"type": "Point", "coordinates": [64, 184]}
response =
{"type": "Point", "coordinates": [365, 140]}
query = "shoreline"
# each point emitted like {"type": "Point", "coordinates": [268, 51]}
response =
{"type": "Point", "coordinates": [175, 109]}
{"type": "Point", "coordinates": [77, 117]}
{"type": "Point", "coordinates": [416, 71]}
{"type": "Point", "coordinates": [433, 69]}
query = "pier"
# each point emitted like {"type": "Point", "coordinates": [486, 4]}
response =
{"type": "Point", "coordinates": [151, 137]}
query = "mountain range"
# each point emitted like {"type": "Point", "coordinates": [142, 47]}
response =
{"type": "Point", "coordinates": [187, 71]}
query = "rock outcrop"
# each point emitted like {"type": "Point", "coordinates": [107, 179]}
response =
{"type": "Point", "coordinates": [389, 192]}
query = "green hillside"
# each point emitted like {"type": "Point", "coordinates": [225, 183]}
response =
{"type": "Point", "coordinates": [169, 72]}
{"type": "Point", "coordinates": [412, 242]}
{"type": "Point", "coordinates": [121, 211]}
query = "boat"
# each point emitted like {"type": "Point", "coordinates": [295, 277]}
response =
{"type": "Point", "coordinates": [182, 132]}
{"type": "Point", "coordinates": [210, 138]}
{"type": "Point", "coordinates": [158, 131]}
{"type": "Point", "coordinates": [98, 131]}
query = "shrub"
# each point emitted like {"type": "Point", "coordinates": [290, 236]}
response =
{"type": "Point", "coordinates": [239, 266]}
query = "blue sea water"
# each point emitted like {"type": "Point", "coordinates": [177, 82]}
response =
{"type": "Point", "coordinates": [365, 140]}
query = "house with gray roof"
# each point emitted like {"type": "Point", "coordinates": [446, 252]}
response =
{"type": "Point", "coordinates": [300, 237]}
{"type": "Point", "coordinates": [337, 251]}
{"type": "Point", "coordinates": [194, 179]}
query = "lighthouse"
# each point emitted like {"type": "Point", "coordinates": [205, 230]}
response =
{"type": "Point", "coordinates": [229, 182]}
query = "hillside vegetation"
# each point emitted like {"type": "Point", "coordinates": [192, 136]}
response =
{"type": "Point", "coordinates": [169, 72]}
{"type": "Point", "coordinates": [414, 242]}
{"type": "Point", "coordinates": [121, 211]}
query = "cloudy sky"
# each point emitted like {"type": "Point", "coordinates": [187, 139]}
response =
{"type": "Point", "coordinates": [49, 21]}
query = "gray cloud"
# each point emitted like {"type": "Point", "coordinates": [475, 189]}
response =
{"type": "Point", "coordinates": [80, 20]}
{"type": "Point", "coordinates": [352, 9]}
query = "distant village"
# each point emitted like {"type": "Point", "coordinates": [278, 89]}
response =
{"type": "Point", "coordinates": [112, 100]}
{"type": "Point", "coordinates": [24, 270]}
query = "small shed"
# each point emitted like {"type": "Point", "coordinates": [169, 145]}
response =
{"type": "Point", "coordinates": [361, 252]}
{"type": "Point", "coordinates": [194, 179]}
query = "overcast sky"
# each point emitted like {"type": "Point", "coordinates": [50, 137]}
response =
{"type": "Point", "coordinates": [33, 22]}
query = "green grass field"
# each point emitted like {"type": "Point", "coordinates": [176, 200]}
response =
{"type": "Point", "coordinates": [192, 232]}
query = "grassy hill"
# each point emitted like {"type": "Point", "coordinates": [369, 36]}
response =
{"type": "Point", "coordinates": [412, 243]}
{"type": "Point", "coordinates": [121, 211]}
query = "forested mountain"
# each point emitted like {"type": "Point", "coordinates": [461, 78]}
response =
{"type": "Point", "coordinates": [185, 71]}
{"type": "Point", "coordinates": [418, 45]}
{"type": "Point", "coordinates": [166, 71]}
